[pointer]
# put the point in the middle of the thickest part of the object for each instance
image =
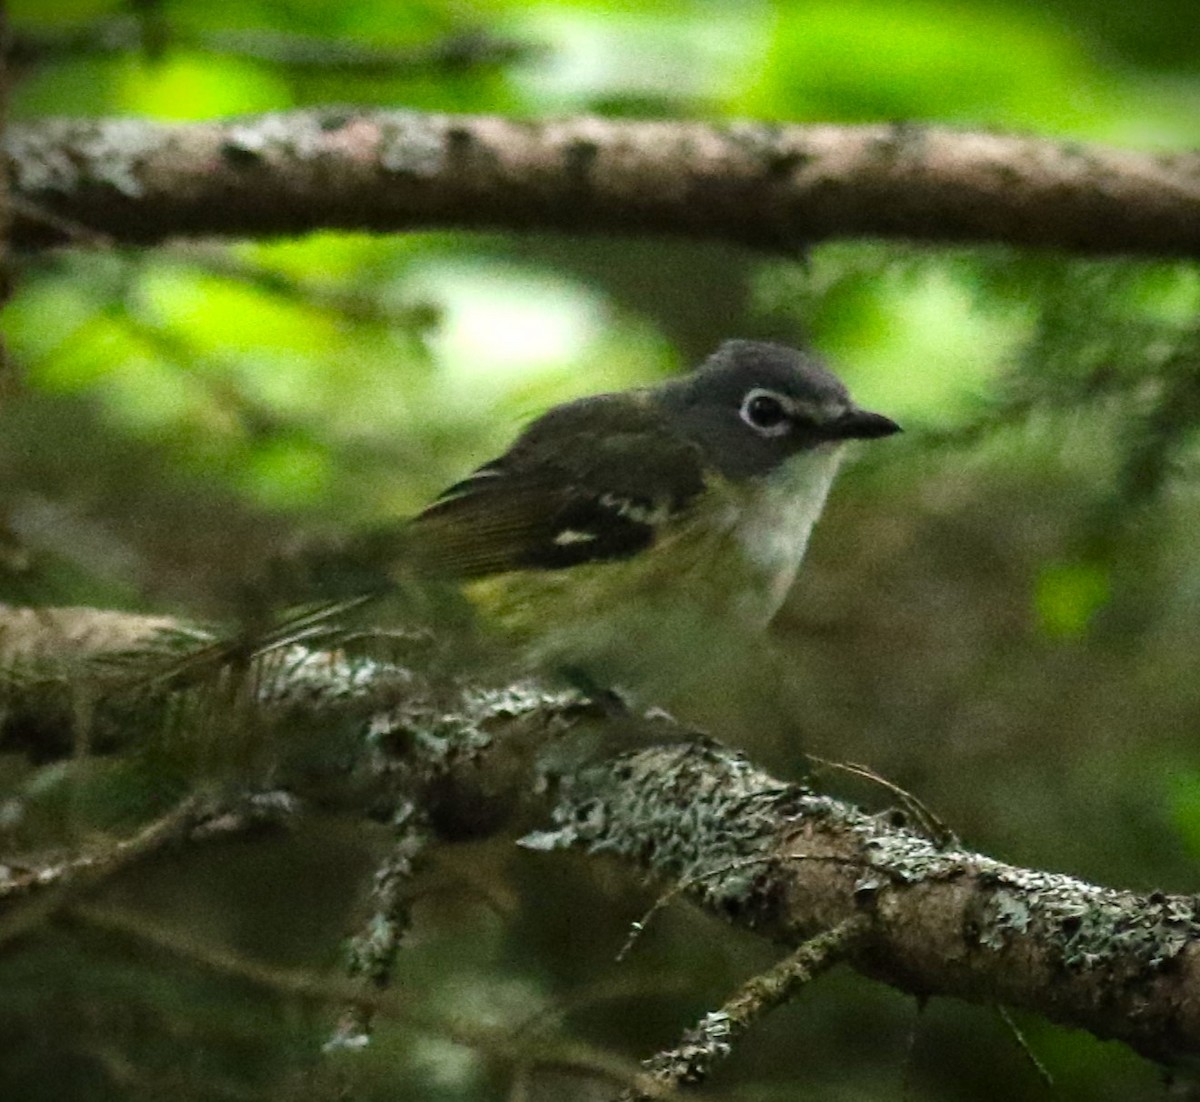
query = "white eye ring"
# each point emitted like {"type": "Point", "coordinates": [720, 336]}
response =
{"type": "Point", "coordinates": [767, 412]}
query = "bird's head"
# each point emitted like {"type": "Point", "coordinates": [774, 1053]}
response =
{"type": "Point", "coordinates": [753, 405]}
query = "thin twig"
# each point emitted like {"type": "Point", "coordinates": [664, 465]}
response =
{"type": "Point", "coordinates": [50, 885]}
{"type": "Point", "coordinates": [917, 810]}
{"type": "Point", "coordinates": [319, 989]}
{"type": "Point", "coordinates": [372, 951]}
{"type": "Point", "coordinates": [1023, 1044]}
{"type": "Point", "coordinates": [72, 231]}
{"type": "Point", "coordinates": [675, 891]}
{"type": "Point", "coordinates": [682, 887]}
{"type": "Point", "coordinates": [711, 1039]}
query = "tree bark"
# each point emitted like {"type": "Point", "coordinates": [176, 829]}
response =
{"type": "Point", "coordinates": [764, 185]}
{"type": "Point", "coordinates": [760, 853]}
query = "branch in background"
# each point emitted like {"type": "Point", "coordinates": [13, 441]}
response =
{"type": "Point", "coordinates": [305, 987]}
{"type": "Point", "coordinates": [760, 184]}
{"type": "Point", "coordinates": [454, 53]}
{"type": "Point", "coordinates": [343, 298]}
{"type": "Point", "coordinates": [8, 374]}
{"type": "Point", "coordinates": [47, 887]}
{"type": "Point", "coordinates": [1162, 433]}
{"type": "Point", "coordinates": [762, 854]}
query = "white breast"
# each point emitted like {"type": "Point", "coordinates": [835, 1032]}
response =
{"type": "Point", "coordinates": [774, 525]}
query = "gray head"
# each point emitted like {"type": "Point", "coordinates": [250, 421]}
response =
{"type": "Point", "coordinates": [754, 404]}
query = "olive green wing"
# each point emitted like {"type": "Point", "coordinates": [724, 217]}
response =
{"type": "Point", "coordinates": [590, 481]}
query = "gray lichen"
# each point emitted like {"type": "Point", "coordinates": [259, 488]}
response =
{"type": "Point", "coordinates": [300, 135]}
{"type": "Point", "coordinates": [682, 818]}
{"type": "Point", "coordinates": [60, 156]}
{"type": "Point", "coordinates": [412, 144]}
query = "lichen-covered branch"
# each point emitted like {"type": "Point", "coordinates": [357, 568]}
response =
{"type": "Point", "coordinates": [374, 949]}
{"type": "Point", "coordinates": [761, 184]}
{"type": "Point", "coordinates": [929, 918]}
{"type": "Point", "coordinates": [944, 921]}
{"type": "Point", "coordinates": [31, 893]}
{"type": "Point", "coordinates": [713, 1037]}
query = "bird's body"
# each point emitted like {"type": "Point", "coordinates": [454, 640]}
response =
{"type": "Point", "coordinates": [636, 539]}
{"type": "Point", "coordinates": [660, 625]}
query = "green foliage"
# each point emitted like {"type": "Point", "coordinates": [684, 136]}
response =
{"type": "Point", "coordinates": [1068, 596]}
{"type": "Point", "coordinates": [1183, 797]}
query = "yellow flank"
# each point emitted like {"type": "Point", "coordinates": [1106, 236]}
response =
{"type": "Point", "coordinates": [638, 624]}
{"type": "Point", "coordinates": [662, 620]}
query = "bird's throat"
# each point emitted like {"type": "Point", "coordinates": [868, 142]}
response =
{"type": "Point", "coordinates": [775, 521]}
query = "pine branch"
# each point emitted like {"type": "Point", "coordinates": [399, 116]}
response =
{"type": "Point", "coordinates": [764, 185]}
{"type": "Point", "coordinates": [776, 858]}
{"type": "Point", "coordinates": [791, 864]}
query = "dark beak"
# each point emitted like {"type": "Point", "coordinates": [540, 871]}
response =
{"type": "Point", "coordinates": [860, 424]}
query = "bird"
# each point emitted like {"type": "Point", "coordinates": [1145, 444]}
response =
{"type": "Point", "coordinates": [631, 541]}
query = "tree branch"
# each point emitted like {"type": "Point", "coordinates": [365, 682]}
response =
{"type": "Point", "coordinates": [759, 184]}
{"type": "Point", "coordinates": [712, 1038]}
{"type": "Point", "coordinates": [54, 884]}
{"type": "Point", "coordinates": [929, 919]}
{"type": "Point", "coordinates": [944, 921]}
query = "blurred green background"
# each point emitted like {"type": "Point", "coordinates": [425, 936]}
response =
{"type": "Point", "coordinates": [1000, 610]}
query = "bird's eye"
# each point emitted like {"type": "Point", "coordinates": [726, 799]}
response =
{"type": "Point", "coordinates": [765, 411]}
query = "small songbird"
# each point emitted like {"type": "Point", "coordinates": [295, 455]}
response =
{"type": "Point", "coordinates": [630, 539]}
